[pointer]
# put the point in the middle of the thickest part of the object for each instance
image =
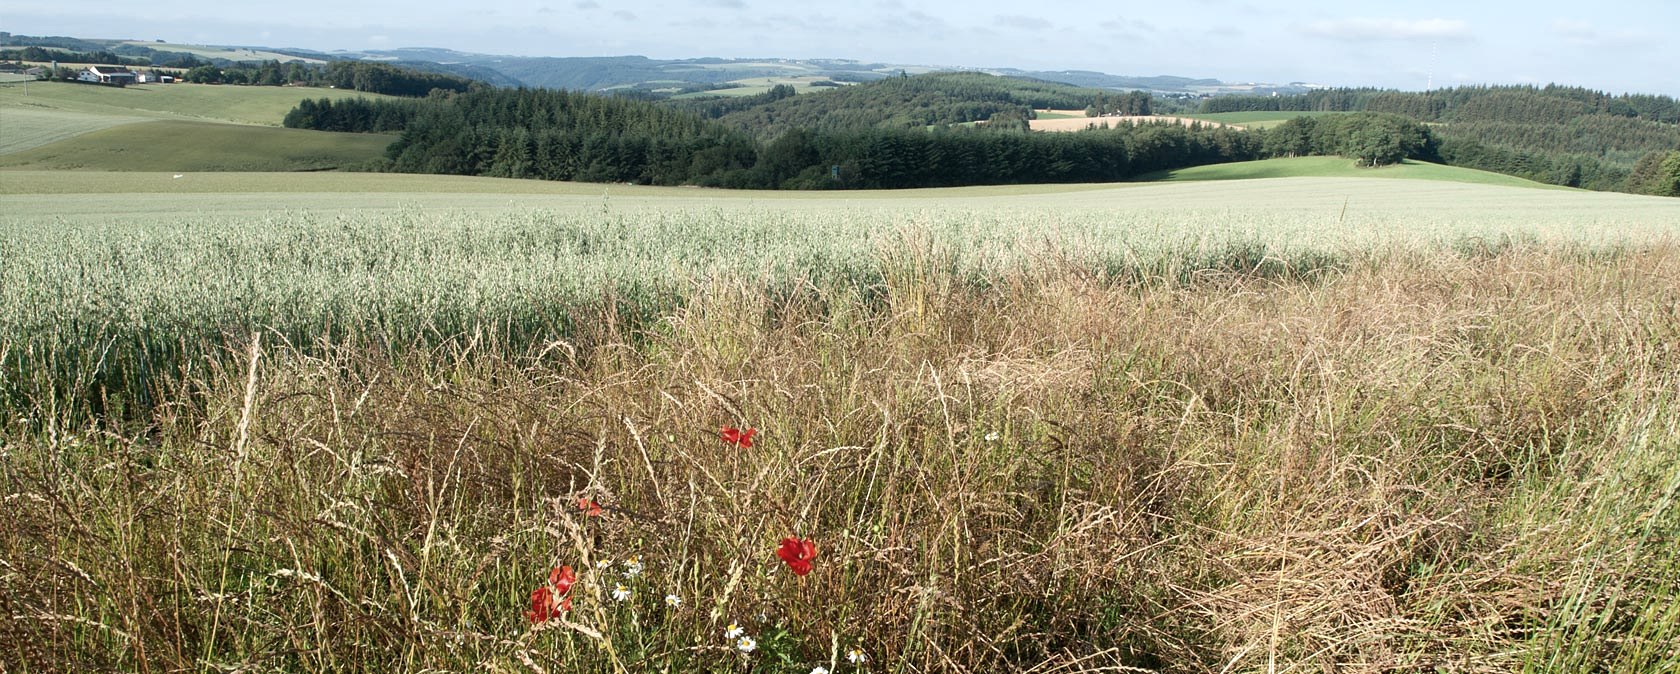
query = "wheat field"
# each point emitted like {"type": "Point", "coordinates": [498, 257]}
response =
{"type": "Point", "coordinates": [1294, 425]}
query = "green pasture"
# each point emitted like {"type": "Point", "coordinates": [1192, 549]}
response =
{"type": "Point", "coordinates": [1258, 120]}
{"type": "Point", "coordinates": [223, 103]}
{"type": "Point", "coordinates": [24, 126]}
{"type": "Point", "coordinates": [180, 145]}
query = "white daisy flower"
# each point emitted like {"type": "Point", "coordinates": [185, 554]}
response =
{"type": "Point", "coordinates": [673, 601]}
{"type": "Point", "coordinates": [733, 631]}
{"type": "Point", "coordinates": [621, 593]}
{"type": "Point", "coordinates": [856, 656]}
{"type": "Point", "coordinates": [603, 565]}
{"type": "Point", "coordinates": [745, 644]}
{"type": "Point", "coordinates": [819, 669]}
{"type": "Point", "coordinates": [633, 566]}
{"type": "Point", "coordinates": [992, 436]}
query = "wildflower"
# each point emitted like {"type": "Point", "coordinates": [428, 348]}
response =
{"type": "Point", "coordinates": [603, 565]}
{"type": "Point", "coordinates": [633, 566]}
{"type": "Point", "coordinates": [819, 669]}
{"type": "Point", "coordinates": [673, 601]}
{"type": "Point", "coordinates": [856, 656]}
{"type": "Point", "coordinates": [992, 436]}
{"type": "Point", "coordinates": [733, 631]}
{"type": "Point", "coordinates": [542, 605]}
{"type": "Point", "coordinates": [738, 437]}
{"type": "Point", "coordinates": [562, 578]}
{"type": "Point", "coordinates": [589, 507]}
{"type": "Point", "coordinates": [621, 593]}
{"type": "Point", "coordinates": [798, 554]}
{"type": "Point", "coordinates": [549, 600]}
{"type": "Point", "coordinates": [746, 644]}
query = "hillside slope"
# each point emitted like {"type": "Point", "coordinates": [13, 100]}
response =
{"type": "Point", "coordinates": [182, 145]}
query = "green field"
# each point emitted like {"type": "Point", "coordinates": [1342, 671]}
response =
{"type": "Point", "coordinates": [175, 127]}
{"type": "Point", "coordinates": [1257, 120]}
{"type": "Point", "coordinates": [1282, 211]}
{"type": "Point", "coordinates": [1321, 167]}
{"type": "Point", "coordinates": [223, 103]}
{"type": "Point", "coordinates": [24, 126]}
{"type": "Point", "coordinates": [229, 53]}
{"type": "Point", "coordinates": [758, 85]}
{"type": "Point", "coordinates": [165, 145]}
{"type": "Point", "coordinates": [1277, 416]}
{"type": "Point", "coordinates": [1321, 422]}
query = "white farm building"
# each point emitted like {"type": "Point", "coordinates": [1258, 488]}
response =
{"type": "Point", "coordinates": [114, 75]}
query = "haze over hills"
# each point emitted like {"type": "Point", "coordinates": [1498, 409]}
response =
{"type": "Point", "coordinates": [596, 73]}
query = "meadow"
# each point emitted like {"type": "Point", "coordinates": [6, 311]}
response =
{"type": "Point", "coordinates": [173, 127]}
{"type": "Point", "coordinates": [179, 145]}
{"type": "Point", "coordinates": [308, 422]}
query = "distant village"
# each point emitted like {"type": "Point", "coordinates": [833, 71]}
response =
{"type": "Point", "coordinates": [108, 75]}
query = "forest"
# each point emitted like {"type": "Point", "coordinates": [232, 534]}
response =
{"type": "Point", "coordinates": [375, 78]}
{"type": "Point", "coordinates": [934, 99]}
{"type": "Point", "coordinates": [1560, 135]}
{"type": "Point", "coordinates": [558, 135]}
{"type": "Point", "coordinates": [946, 129]}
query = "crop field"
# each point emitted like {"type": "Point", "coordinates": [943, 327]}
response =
{"type": "Point", "coordinates": [229, 53]}
{"type": "Point", "coordinates": [1070, 122]}
{"type": "Point", "coordinates": [758, 85]}
{"type": "Point", "coordinates": [312, 422]}
{"type": "Point", "coordinates": [1297, 167]}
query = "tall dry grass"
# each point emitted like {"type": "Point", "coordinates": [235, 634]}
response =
{"type": "Point", "coordinates": [1425, 461]}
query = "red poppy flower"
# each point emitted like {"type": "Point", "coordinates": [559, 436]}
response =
{"type": "Point", "coordinates": [738, 437]}
{"type": "Point", "coordinates": [544, 607]}
{"type": "Point", "coordinates": [589, 507]}
{"type": "Point", "coordinates": [798, 554]}
{"type": "Point", "coordinates": [549, 601]}
{"type": "Point", "coordinates": [562, 578]}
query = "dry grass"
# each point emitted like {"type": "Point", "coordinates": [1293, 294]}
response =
{"type": "Point", "coordinates": [1426, 461]}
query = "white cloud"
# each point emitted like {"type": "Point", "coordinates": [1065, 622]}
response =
{"type": "Point", "coordinates": [1389, 29]}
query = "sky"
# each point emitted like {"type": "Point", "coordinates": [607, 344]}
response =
{"type": "Point", "coordinates": [1611, 45]}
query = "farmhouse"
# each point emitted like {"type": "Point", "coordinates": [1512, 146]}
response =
{"type": "Point", "coordinates": [113, 75]}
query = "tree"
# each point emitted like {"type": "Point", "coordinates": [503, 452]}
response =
{"type": "Point", "coordinates": [1668, 183]}
{"type": "Point", "coordinates": [1656, 173]}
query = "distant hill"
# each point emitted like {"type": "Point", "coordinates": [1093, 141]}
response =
{"type": "Point", "coordinates": [598, 73]}
{"type": "Point", "coordinates": [933, 99]}
{"type": "Point", "coordinates": [1554, 134]}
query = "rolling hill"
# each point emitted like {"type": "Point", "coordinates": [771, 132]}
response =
{"type": "Point", "coordinates": [1339, 167]}
{"type": "Point", "coordinates": [186, 145]}
{"type": "Point", "coordinates": [176, 127]}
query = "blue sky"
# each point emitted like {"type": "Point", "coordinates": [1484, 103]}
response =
{"type": "Point", "coordinates": [1614, 45]}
